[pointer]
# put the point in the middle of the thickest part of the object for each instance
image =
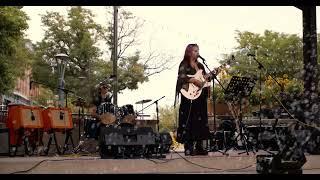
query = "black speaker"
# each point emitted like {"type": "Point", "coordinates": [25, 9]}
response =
{"type": "Point", "coordinates": [290, 157]}
{"type": "Point", "coordinates": [4, 142]}
{"type": "Point", "coordinates": [125, 142]}
{"type": "Point", "coordinates": [125, 136]}
{"type": "Point", "coordinates": [274, 164]}
{"type": "Point", "coordinates": [165, 142]}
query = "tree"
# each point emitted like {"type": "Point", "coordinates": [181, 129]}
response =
{"type": "Point", "coordinates": [76, 36]}
{"type": "Point", "coordinates": [129, 27]}
{"type": "Point", "coordinates": [279, 53]}
{"type": "Point", "coordinates": [79, 37]}
{"type": "Point", "coordinates": [44, 96]}
{"type": "Point", "coordinates": [281, 56]}
{"type": "Point", "coordinates": [14, 54]}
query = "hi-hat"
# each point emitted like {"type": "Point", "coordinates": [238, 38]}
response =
{"type": "Point", "coordinates": [143, 115]}
{"type": "Point", "coordinates": [143, 101]}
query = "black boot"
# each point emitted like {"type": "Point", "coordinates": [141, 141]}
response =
{"type": "Point", "coordinates": [200, 150]}
{"type": "Point", "coordinates": [188, 149]}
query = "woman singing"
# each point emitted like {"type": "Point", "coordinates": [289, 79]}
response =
{"type": "Point", "coordinates": [193, 115]}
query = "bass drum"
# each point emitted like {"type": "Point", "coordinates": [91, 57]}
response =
{"type": "Point", "coordinates": [128, 115]}
{"type": "Point", "coordinates": [107, 113]}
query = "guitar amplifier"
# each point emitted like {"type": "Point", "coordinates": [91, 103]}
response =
{"type": "Point", "coordinates": [22, 116]}
{"type": "Point", "coordinates": [4, 139]}
{"type": "Point", "coordinates": [57, 118]}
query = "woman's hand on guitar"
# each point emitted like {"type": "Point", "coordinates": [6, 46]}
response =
{"type": "Point", "coordinates": [208, 77]}
{"type": "Point", "coordinates": [197, 82]}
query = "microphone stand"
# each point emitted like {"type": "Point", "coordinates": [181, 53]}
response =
{"type": "Point", "coordinates": [214, 77]}
{"type": "Point", "coordinates": [260, 67]}
{"type": "Point", "coordinates": [157, 110]}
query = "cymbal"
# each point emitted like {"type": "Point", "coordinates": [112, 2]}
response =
{"type": "Point", "coordinates": [143, 101]}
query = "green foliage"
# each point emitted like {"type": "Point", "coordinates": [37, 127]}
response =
{"type": "Point", "coordinates": [42, 99]}
{"type": "Point", "coordinates": [127, 68]}
{"type": "Point", "coordinates": [14, 55]}
{"type": "Point", "coordinates": [79, 36]}
{"type": "Point", "coordinates": [167, 118]}
{"type": "Point", "coordinates": [75, 36]}
{"type": "Point", "coordinates": [279, 53]}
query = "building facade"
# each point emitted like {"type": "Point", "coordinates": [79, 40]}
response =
{"type": "Point", "coordinates": [22, 93]}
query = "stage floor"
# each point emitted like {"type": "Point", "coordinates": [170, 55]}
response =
{"type": "Point", "coordinates": [174, 163]}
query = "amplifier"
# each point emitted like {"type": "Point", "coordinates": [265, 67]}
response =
{"type": "Point", "coordinates": [57, 118]}
{"type": "Point", "coordinates": [4, 139]}
{"type": "Point", "coordinates": [22, 116]}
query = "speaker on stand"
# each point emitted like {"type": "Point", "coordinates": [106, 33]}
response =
{"type": "Point", "coordinates": [23, 122]}
{"type": "Point", "coordinates": [58, 120]}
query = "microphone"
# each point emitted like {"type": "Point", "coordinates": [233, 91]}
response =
{"type": "Point", "coordinates": [201, 58]}
{"type": "Point", "coordinates": [30, 85]}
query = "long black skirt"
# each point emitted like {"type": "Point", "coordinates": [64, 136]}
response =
{"type": "Point", "coordinates": [193, 119]}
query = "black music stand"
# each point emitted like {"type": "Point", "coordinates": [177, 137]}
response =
{"type": "Point", "coordinates": [238, 88]}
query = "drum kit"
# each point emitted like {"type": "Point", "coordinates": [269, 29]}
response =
{"type": "Point", "coordinates": [107, 114]}
{"type": "Point", "coordinates": [110, 114]}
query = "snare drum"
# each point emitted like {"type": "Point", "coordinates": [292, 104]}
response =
{"type": "Point", "coordinates": [107, 113]}
{"type": "Point", "coordinates": [127, 114]}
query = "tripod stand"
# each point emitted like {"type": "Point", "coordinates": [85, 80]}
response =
{"type": "Point", "coordinates": [238, 88]}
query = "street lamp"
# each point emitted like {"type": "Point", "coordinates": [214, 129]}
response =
{"type": "Point", "coordinates": [61, 65]}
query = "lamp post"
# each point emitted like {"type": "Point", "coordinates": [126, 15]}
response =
{"type": "Point", "coordinates": [61, 65]}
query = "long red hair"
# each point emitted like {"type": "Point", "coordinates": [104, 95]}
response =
{"type": "Point", "coordinates": [187, 53]}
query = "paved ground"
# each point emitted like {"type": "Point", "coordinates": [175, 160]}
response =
{"type": "Point", "coordinates": [175, 162]}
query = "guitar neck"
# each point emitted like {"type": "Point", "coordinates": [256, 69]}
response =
{"type": "Point", "coordinates": [217, 70]}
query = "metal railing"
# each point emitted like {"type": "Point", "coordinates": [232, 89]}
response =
{"type": "Point", "coordinates": [3, 113]}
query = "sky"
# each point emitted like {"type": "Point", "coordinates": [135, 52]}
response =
{"type": "Point", "coordinates": [168, 29]}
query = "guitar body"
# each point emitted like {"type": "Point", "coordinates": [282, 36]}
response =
{"type": "Point", "coordinates": [194, 91]}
